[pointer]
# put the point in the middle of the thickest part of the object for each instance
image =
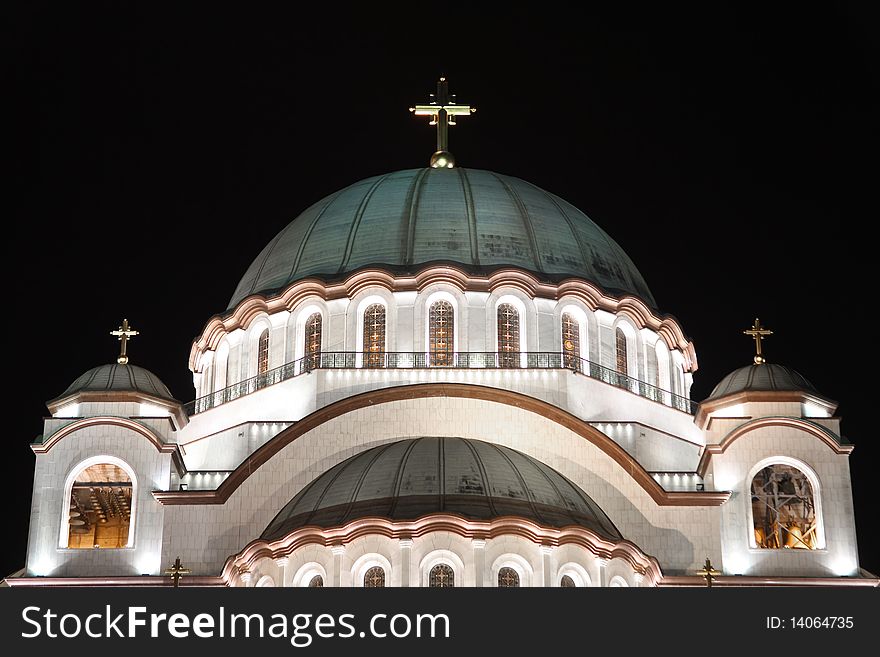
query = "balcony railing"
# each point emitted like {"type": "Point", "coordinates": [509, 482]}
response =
{"type": "Point", "coordinates": [508, 360]}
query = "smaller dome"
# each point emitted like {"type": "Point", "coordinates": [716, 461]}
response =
{"type": "Point", "coordinates": [119, 378]}
{"type": "Point", "coordinates": [416, 477]}
{"type": "Point", "coordinates": [768, 377]}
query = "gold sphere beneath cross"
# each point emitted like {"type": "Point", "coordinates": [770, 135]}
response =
{"type": "Point", "coordinates": [442, 160]}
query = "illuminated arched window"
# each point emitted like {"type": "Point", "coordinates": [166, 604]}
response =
{"type": "Point", "coordinates": [317, 582]}
{"type": "Point", "coordinates": [374, 335]}
{"type": "Point", "coordinates": [441, 577]}
{"type": "Point", "coordinates": [783, 509]}
{"type": "Point", "coordinates": [441, 334]}
{"type": "Point", "coordinates": [620, 350]}
{"type": "Point", "coordinates": [571, 342]}
{"type": "Point", "coordinates": [263, 353]}
{"type": "Point", "coordinates": [508, 336]}
{"type": "Point", "coordinates": [567, 582]}
{"type": "Point", "coordinates": [312, 347]}
{"type": "Point", "coordinates": [508, 578]}
{"type": "Point", "coordinates": [374, 578]}
{"type": "Point", "coordinates": [100, 508]}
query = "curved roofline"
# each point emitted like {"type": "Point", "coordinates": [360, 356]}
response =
{"type": "Point", "coordinates": [469, 217]}
{"type": "Point", "coordinates": [602, 548]}
{"type": "Point", "coordinates": [459, 390]}
{"type": "Point", "coordinates": [593, 296]}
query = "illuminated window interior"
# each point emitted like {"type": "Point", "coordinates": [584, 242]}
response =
{"type": "Point", "coordinates": [508, 578]}
{"type": "Point", "coordinates": [374, 578]}
{"type": "Point", "coordinates": [374, 335]}
{"type": "Point", "coordinates": [312, 349]}
{"type": "Point", "coordinates": [441, 327]}
{"type": "Point", "coordinates": [263, 353]}
{"type": "Point", "coordinates": [621, 350]}
{"type": "Point", "coordinates": [100, 508]}
{"type": "Point", "coordinates": [441, 577]}
{"type": "Point", "coordinates": [783, 510]}
{"type": "Point", "coordinates": [508, 336]}
{"type": "Point", "coordinates": [317, 582]}
{"type": "Point", "coordinates": [571, 342]}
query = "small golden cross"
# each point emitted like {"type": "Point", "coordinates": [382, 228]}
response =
{"type": "Point", "coordinates": [758, 332]}
{"type": "Point", "coordinates": [125, 333]}
{"type": "Point", "coordinates": [708, 573]}
{"type": "Point", "coordinates": [177, 571]}
{"type": "Point", "coordinates": [442, 110]}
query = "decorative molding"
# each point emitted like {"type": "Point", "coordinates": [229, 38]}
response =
{"type": "Point", "coordinates": [174, 408]}
{"type": "Point", "coordinates": [457, 390]}
{"type": "Point", "coordinates": [825, 435]}
{"type": "Point", "coordinates": [709, 406]}
{"type": "Point", "coordinates": [601, 548]}
{"type": "Point", "coordinates": [137, 581]}
{"type": "Point", "coordinates": [591, 295]}
{"type": "Point", "coordinates": [106, 420]}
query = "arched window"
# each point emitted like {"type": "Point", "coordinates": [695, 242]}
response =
{"type": "Point", "coordinates": [567, 582]}
{"type": "Point", "coordinates": [441, 577]}
{"type": "Point", "coordinates": [620, 351]}
{"type": "Point", "coordinates": [783, 509]}
{"type": "Point", "coordinates": [571, 342]}
{"type": "Point", "coordinates": [317, 582]}
{"type": "Point", "coordinates": [312, 347]}
{"type": "Point", "coordinates": [100, 508]}
{"type": "Point", "coordinates": [508, 336]}
{"type": "Point", "coordinates": [374, 335]}
{"type": "Point", "coordinates": [263, 353]}
{"type": "Point", "coordinates": [374, 578]}
{"type": "Point", "coordinates": [441, 334]}
{"type": "Point", "coordinates": [508, 578]}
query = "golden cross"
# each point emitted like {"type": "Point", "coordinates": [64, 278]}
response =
{"type": "Point", "coordinates": [125, 333]}
{"type": "Point", "coordinates": [176, 571]}
{"type": "Point", "coordinates": [442, 110]}
{"type": "Point", "coordinates": [708, 573]}
{"type": "Point", "coordinates": [758, 332]}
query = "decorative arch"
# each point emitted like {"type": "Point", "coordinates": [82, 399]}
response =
{"type": "Point", "coordinates": [470, 391]}
{"type": "Point", "coordinates": [257, 329]}
{"type": "Point", "coordinates": [576, 572]}
{"type": "Point", "coordinates": [68, 490]}
{"type": "Point", "coordinates": [364, 564]}
{"type": "Point", "coordinates": [296, 327]}
{"type": "Point", "coordinates": [266, 581]}
{"type": "Point", "coordinates": [816, 494]}
{"type": "Point", "coordinates": [515, 562]}
{"type": "Point", "coordinates": [618, 582]}
{"type": "Point", "coordinates": [307, 572]}
{"type": "Point", "coordinates": [441, 557]}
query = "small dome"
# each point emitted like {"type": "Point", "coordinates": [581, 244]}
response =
{"type": "Point", "coordinates": [416, 477]}
{"type": "Point", "coordinates": [478, 220]}
{"type": "Point", "coordinates": [119, 378]}
{"type": "Point", "coordinates": [768, 377]}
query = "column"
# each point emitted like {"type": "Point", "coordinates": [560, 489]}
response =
{"type": "Point", "coordinates": [603, 571]}
{"type": "Point", "coordinates": [479, 561]}
{"type": "Point", "coordinates": [405, 560]}
{"type": "Point", "coordinates": [245, 576]}
{"type": "Point", "coordinates": [282, 562]}
{"type": "Point", "coordinates": [546, 566]}
{"type": "Point", "coordinates": [336, 576]}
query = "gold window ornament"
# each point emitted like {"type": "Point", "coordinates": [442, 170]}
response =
{"type": "Point", "coordinates": [441, 577]}
{"type": "Point", "coordinates": [571, 342]}
{"type": "Point", "coordinates": [374, 578]}
{"type": "Point", "coordinates": [312, 347]}
{"type": "Point", "coordinates": [508, 578]}
{"type": "Point", "coordinates": [508, 336]}
{"type": "Point", "coordinates": [441, 334]}
{"type": "Point", "coordinates": [263, 353]}
{"type": "Point", "coordinates": [374, 335]}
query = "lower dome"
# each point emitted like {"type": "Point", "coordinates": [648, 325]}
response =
{"type": "Point", "coordinates": [411, 478]}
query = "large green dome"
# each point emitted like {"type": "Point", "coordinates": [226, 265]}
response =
{"type": "Point", "coordinates": [479, 220]}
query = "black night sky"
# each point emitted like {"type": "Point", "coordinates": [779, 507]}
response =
{"type": "Point", "coordinates": [731, 153]}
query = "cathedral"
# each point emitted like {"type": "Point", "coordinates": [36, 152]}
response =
{"type": "Point", "coordinates": [442, 377]}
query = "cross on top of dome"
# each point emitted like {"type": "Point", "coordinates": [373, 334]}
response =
{"type": "Point", "coordinates": [442, 109]}
{"type": "Point", "coordinates": [124, 333]}
{"type": "Point", "coordinates": [758, 332]}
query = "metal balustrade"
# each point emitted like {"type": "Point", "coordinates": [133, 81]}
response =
{"type": "Point", "coordinates": [531, 360]}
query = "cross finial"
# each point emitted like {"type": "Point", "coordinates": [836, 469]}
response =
{"type": "Point", "coordinates": [177, 571]}
{"type": "Point", "coordinates": [442, 109]}
{"type": "Point", "coordinates": [758, 332]}
{"type": "Point", "coordinates": [125, 333]}
{"type": "Point", "coordinates": [708, 573]}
